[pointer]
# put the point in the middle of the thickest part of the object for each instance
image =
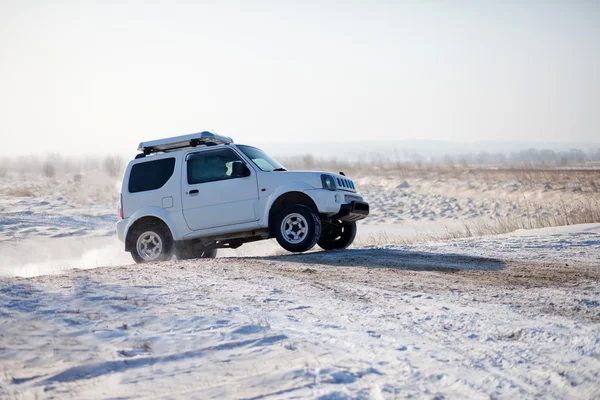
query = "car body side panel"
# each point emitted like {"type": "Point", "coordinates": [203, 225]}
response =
{"type": "Point", "coordinates": [218, 203]}
{"type": "Point", "coordinates": [224, 230]}
{"type": "Point", "coordinates": [170, 191]}
{"type": "Point", "coordinates": [173, 219]}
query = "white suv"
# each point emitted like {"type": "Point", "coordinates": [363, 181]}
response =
{"type": "Point", "coordinates": [190, 195]}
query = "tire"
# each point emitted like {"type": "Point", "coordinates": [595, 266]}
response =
{"type": "Point", "coordinates": [152, 243]}
{"type": "Point", "coordinates": [192, 250]}
{"type": "Point", "coordinates": [297, 228]}
{"type": "Point", "coordinates": [336, 236]}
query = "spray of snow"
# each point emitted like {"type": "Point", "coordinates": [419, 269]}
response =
{"type": "Point", "coordinates": [33, 259]}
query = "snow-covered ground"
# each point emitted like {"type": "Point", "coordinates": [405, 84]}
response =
{"type": "Point", "coordinates": [515, 315]}
{"type": "Point", "coordinates": [49, 225]}
{"type": "Point", "coordinates": [457, 319]}
{"type": "Point", "coordinates": [395, 199]}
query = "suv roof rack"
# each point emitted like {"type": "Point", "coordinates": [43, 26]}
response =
{"type": "Point", "coordinates": [180, 142]}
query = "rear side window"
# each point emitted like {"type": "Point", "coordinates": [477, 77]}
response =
{"type": "Point", "coordinates": [150, 175]}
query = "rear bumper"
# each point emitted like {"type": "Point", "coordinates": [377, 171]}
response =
{"type": "Point", "coordinates": [353, 211]}
{"type": "Point", "coordinates": [121, 228]}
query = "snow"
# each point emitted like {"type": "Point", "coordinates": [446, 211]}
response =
{"type": "Point", "coordinates": [515, 315]}
{"type": "Point", "coordinates": [395, 200]}
{"type": "Point", "coordinates": [575, 243]}
{"type": "Point", "coordinates": [396, 321]}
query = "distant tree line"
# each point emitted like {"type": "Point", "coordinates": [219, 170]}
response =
{"type": "Point", "coordinates": [527, 157]}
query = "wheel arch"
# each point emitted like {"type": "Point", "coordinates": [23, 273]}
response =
{"type": "Point", "coordinates": [285, 200]}
{"type": "Point", "coordinates": [147, 220]}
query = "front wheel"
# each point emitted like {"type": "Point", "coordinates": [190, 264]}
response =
{"type": "Point", "coordinates": [337, 235]}
{"type": "Point", "coordinates": [298, 228]}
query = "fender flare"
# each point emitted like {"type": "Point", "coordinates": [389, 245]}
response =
{"type": "Point", "coordinates": [289, 187]}
{"type": "Point", "coordinates": [152, 212]}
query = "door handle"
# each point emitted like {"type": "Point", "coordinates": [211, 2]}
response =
{"type": "Point", "coordinates": [194, 191]}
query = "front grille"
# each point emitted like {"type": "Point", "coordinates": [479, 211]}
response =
{"type": "Point", "coordinates": [346, 184]}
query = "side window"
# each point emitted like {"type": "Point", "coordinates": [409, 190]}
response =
{"type": "Point", "coordinates": [216, 165]}
{"type": "Point", "coordinates": [150, 175]}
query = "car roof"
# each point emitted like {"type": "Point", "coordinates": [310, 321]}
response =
{"type": "Point", "coordinates": [174, 143]}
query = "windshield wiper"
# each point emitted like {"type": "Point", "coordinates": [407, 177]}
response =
{"type": "Point", "coordinates": [279, 169]}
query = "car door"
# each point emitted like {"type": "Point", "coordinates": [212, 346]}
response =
{"type": "Point", "coordinates": [218, 189]}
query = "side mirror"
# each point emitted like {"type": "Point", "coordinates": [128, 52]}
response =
{"type": "Point", "coordinates": [239, 170]}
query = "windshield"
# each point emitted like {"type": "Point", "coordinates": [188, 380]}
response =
{"type": "Point", "coordinates": [261, 159]}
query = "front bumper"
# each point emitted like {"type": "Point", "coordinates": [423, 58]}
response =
{"type": "Point", "coordinates": [351, 212]}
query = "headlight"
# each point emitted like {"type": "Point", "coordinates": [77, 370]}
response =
{"type": "Point", "coordinates": [328, 182]}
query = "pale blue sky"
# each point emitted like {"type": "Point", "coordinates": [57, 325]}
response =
{"type": "Point", "coordinates": [102, 76]}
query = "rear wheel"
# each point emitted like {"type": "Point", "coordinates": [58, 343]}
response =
{"type": "Point", "coordinates": [298, 228]}
{"type": "Point", "coordinates": [153, 242]}
{"type": "Point", "coordinates": [337, 235]}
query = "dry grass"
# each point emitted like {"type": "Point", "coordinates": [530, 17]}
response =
{"type": "Point", "coordinates": [113, 165]}
{"type": "Point", "coordinates": [54, 165]}
{"type": "Point", "coordinates": [580, 212]}
{"type": "Point", "coordinates": [575, 180]}
{"type": "Point", "coordinates": [49, 169]}
{"type": "Point", "coordinates": [583, 176]}
{"type": "Point", "coordinates": [580, 177]}
{"type": "Point", "coordinates": [20, 191]}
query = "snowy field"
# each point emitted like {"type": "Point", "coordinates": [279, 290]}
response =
{"type": "Point", "coordinates": [514, 315]}
{"type": "Point", "coordinates": [48, 225]}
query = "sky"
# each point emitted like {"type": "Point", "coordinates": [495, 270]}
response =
{"type": "Point", "coordinates": [102, 76]}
